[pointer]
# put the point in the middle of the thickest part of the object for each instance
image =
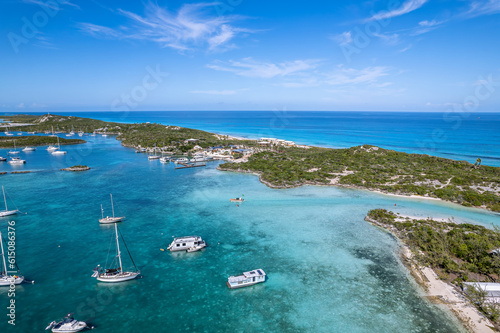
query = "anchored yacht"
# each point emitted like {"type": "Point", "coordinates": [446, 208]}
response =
{"type": "Point", "coordinates": [187, 243]}
{"type": "Point", "coordinates": [247, 279]}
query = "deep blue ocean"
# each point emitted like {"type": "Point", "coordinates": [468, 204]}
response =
{"type": "Point", "coordinates": [328, 270]}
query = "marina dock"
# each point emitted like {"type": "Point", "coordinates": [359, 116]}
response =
{"type": "Point", "coordinates": [187, 165]}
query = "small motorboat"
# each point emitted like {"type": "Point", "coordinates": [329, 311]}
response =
{"type": "Point", "coordinates": [29, 149]}
{"type": "Point", "coordinates": [3, 159]}
{"type": "Point", "coordinates": [237, 200]}
{"type": "Point", "coordinates": [198, 247]}
{"type": "Point", "coordinates": [67, 325]}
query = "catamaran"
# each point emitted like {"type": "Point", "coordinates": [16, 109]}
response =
{"type": "Point", "coordinates": [116, 274]}
{"type": "Point", "coordinates": [5, 279]}
{"type": "Point", "coordinates": [67, 325]}
{"type": "Point", "coordinates": [58, 151]}
{"type": "Point", "coordinates": [7, 212]}
{"type": "Point", "coordinates": [110, 219]}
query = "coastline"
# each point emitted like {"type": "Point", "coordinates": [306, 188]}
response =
{"type": "Point", "coordinates": [414, 196]}
{"type": "Point", "coordinates": [438, 291]}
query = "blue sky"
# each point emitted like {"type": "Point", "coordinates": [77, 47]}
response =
{"type": "Point", "coordinates": [396, 55]}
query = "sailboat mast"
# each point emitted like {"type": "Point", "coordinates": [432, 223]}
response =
{"type": "Point", "coordinates": [118, 248]}
{"type": "Point", "coordinates": [5, 200]}
{"type": "Point", "coordinates": [102, 212]}
{"type": "Point", "coordinates": [112, 208]}
{"type": "Point", "coordinates": [3, 256]}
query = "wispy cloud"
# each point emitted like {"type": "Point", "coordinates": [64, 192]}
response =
{"type": "Point", "coordinates": [426, 26]}
{"type": "Point", "coordinates": [479, 8]}
{"type": "Point", "coordinates": [192, 26]}
{"type": "Point", "coordinates": [98, 30]}
{"type": "Point", "coordinates": [405, 48]}
{"type": "Point", "coordinates": [250, 68]}
{"type": "Point", "coordinates": [406, 7]}
{"type": "Point", "coordinates": [343, 38]}
{"type": "Point", "coordinates": [305, 73]}
{"type": "Point", "coordinates": [352, 76]}
{"type": "Point", "coordinates": [54, 5]}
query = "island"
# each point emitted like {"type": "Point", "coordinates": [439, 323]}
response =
{"type": "Point", "coordinates": [444, 257]}
{"type": "Point", "coordinates": [284, 164]}
{"type": "Point", "coordinates": [35, 140]}
{"type": "Point", "coordinates": [77, 168]}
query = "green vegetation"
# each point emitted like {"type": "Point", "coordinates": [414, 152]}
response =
{"type": "Point", "coordinates": [373, 168]}
{"type": "Point", "coordinates": [21, 141]}
{"type": "Point", "coordinates": [131, 135]}
{"type": "Point", "coordinates": [457, 252]}
{"type": "Point", "coordinates": [460, 250]}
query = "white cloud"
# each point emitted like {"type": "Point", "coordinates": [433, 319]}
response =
{"type": "Point", "coordinates": [405, 48]}
{"type": "Point", "coordinates": [192, 26]}
{"type": "Point", "coordinates": [407, 7]}
{"type": "Point", "coordinates": [214, 92]}
{"type": "Point", "coordinates": [352, 76]}
{"type": "Point", "coordinates": [250, 68]}
{"type": "Point", "coordinates": [98, 30]}
{"type": "Point", "coordinates": [426, 26]}
{"type": "Point", "coordinates": [54, 5]}
{"type": "Point", "coordinates": [388, 38]}
{"type": "Point", "coordinates": [478, 8]}
{"type": "Point", "coordinates": [20, 106]}
{"type": "Point", "coordinates": [343, 38]}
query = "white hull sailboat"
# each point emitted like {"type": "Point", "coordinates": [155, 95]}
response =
{"type": "Point", "coordinates": [113, 275]}
{"type": "Point", "coordinates": [5, 279]}
{"type": "Point", "coordinates": [110, 219]}
{"type": "Point", "coordinates": [13, 152]}
{"type": "Point", "coordinates": [58, 151]}
{"type": "Point", "coordinates": [7, 212]}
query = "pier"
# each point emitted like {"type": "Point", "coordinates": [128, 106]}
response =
{"type": "Point", "coordinates": [188, 165]}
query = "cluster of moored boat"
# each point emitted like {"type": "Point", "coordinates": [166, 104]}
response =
{"type": "Point", "coordinates": [115, 273]}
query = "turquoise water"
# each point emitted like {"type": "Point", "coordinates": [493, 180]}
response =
{"type": "Point", "coordinates": [328, 270]}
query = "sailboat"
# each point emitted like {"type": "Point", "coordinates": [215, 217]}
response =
{"type": "Point", "coordinates": [5, 279]}
{"type": "Point", "coordinates": [52, 135]}
{"type": "Point", "coordinates": [154, 157]}
{"type": "Point", "coordinates": [58, 151]}
{"type": "Point", "coordinates": [110, 219]}
{"type": "Point", "coordinates": [7, 212]}
{"type": "Point", "coordinates": [72, 132]}
{"type": "Point", "coordinates": [12, 152]}
{"type": "Point", "coordinates": [116, 274]}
